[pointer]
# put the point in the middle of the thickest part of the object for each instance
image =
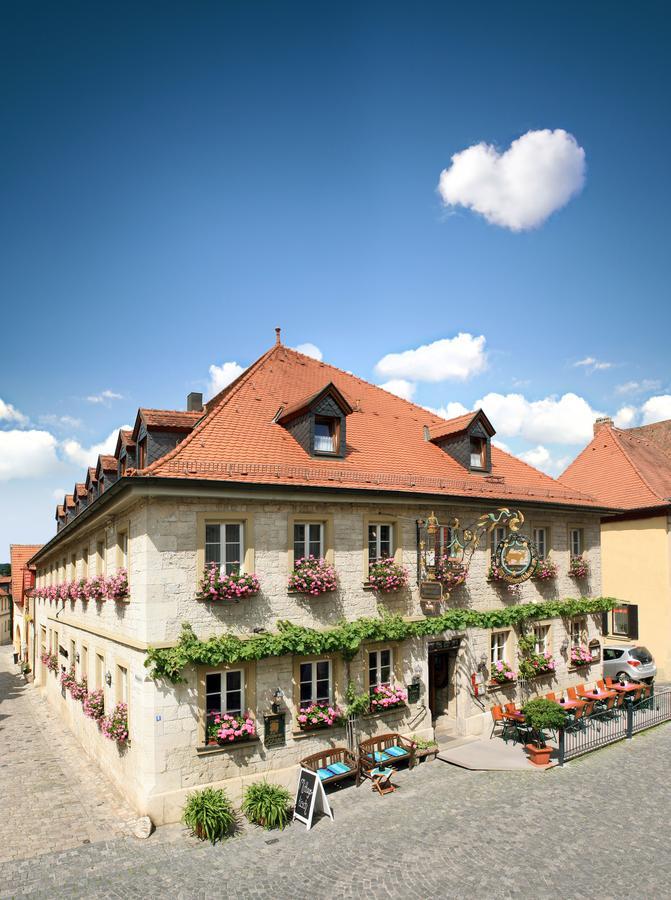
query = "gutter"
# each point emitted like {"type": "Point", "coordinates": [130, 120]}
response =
{"type": "Point", "coordinates": [153, 486]}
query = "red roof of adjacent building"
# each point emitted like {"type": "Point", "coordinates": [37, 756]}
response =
{"type": "Point", "coordinates": [658, 433]}
{"type": "Point", "coordinates": [80, 489]}
{"type": "Point", "coordinates": [19, 556]}
{"type": "Point", "coordinates": [239, 439]}
{"type": "Point", "coordinates": [69, 500]}
{"type": "Point", "coordinates": [622, 467]}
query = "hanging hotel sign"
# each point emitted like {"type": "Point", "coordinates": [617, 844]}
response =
{"type": "Point", "coordinates": [445, 551]}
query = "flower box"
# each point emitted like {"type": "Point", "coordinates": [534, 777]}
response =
{"type": "Point", "coordinates": [232, 587]}
{"type": "Point", "coordinates": [319, 715]}
{"type": "Point", "coordinates": [451, 572]}
{"type": "Point", "coordinates": [312, 576]}
{"type": "Point", "coordinates": [384, 698]}
{"type": "Point", "coordinates": [226, 729]}
{"type": "Point", "coordinates": [578, 567]}
{"type": "Point", "coordinates": [115, 726]}
{"type": "Point", "coordinates": [387, 577]}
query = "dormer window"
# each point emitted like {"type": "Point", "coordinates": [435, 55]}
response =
{"type": "Point", "coordinates": [478, 453]}
{"type": "Point", "coordinates": [142, 453]}
{"type": "Point", "coordinates": [326, 435]}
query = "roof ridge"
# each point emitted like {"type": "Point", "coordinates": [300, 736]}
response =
{"type": "Point", "coordinates": [632, 463]}
{"type": "Point", "coordinates": [209, 416]}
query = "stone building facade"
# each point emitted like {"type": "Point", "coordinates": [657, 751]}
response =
{"type": "Point", "coordinates": [154, 526]}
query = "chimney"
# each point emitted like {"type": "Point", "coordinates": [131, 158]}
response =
{"type": "Point", "coordinates": [602, 422]}
{"type": "Point", "coordinates": [194, 402]}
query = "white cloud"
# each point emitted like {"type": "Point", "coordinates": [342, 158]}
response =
{"type": "Point", "coordinates": [104, 397]}
{"type": "Point", "coordinates": [564, 420]}
{"type": "Point", "coordinates": [520, 188]}
{"type": "Point", "coordinates": [75, 453]}
{"type": "Point", "coordinates": [593, 365]}
{"type": "Point", "coordinates": [9, 413]}
{"type": "Point", "coordinates": [656, 409]}
{"type": "Point", "coordinates": [638, 387]}
{"type": "Point", "coordinates": [58, 494]}
{"type": "Point", "coordinates": [223, 375]}
{"type": "Point", "coordinates": [309, 349]}
{"type": "Point", "coordinates": [61, 421]}
{"type": "Point", "coordinates": [27, 454]}
{"type": "Point", "coordinates": [400, 387]}
{"type": "Point", "coordinates": [501, 445]}
{"type": "Point", "coordinates": [541, 458]}
{"type": "Point", "coordinates": [625, 417]}
{"type": "Point", "coordinates": [457, 358]}
{"type": "Point", "coordinates": [450, 411]}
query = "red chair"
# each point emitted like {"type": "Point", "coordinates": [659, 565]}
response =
{"type": "Point", "coordinates": [511, 708]}
{"type": "Point", "coordinates": [572, 693]}
{"type": "Point", "coordinates": [551, 696]}
{"type": "Point", "coordinates": [609, 681]}
{"type": "Point", "coordinates": [600, 683]}
{"type": "Point", "coordinates": [580, 688]}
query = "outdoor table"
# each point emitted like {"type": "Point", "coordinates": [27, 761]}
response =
{"type": "Point", "coordinates": [624, 688]}
{"type": "Point", "coordinates": [381, 778]}
{"type": "Point", "coordinates": [597, 695]}
{"type": "Point", "coordinates": [571, 704]}
{"type": "Point", "coordinates": [517, 716]}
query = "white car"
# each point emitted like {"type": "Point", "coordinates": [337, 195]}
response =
{"type": "Point", "coordinates": [628, 662]}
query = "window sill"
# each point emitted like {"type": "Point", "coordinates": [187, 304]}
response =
{"type": "Point", "coordinates": [499, 685]}
{"type": "Point", "coordinates": [382, 713]}
{"type": "Point", "coordinates": [212, 749]}
{"type": "Point", "coordinates": [308, 594]}
{"type": "Point", "coordinates": [299, 734]}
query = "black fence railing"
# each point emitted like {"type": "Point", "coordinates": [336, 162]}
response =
{"type": "Point", "coordinates": [605, 726]}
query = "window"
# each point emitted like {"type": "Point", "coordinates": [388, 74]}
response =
{"type": "Point", "coordinates": [308, 540]}
{"type": "Point", "coordinates": [142, 453]}
{"type": "Point", "coordinates": [121, 684]}
{"type": "Point", "coordinates": [576, 541]}
{"type": "Point", "coordinates": [72, 655]}
{"type": "Point", "coordinates": [73, 566]}
{"type": "Point", "coordinates": [100, 672]}
{"type": "Point", "coordinates": [224, 546]}
{"type": "Point", "coordinates": [498, 646]}
{"type": "Point", "coordinates": [315, 682]}
{"type": "Point", "coordinates": [85, 562]}
{"type": "Point", "coordinates": [379, 668]}
{"type": "Point", "coordinates": [541, 542]}
{"type": "Point", "coordinates": [444, 539]}
{"type": "Point", "coordinates": [100, 558]}
{"type": "Point", "coordinates": [379, 542]}
{"type": "Point", "coordinates": [101, 484]}
{"type": "Point", "coordinates": [224, 692]}
{"type": "Point", "coordinates": [578, 631]}
{"type": "Point", "coordinates": [542, 636]}
{"type": "Point", "coordinates": [123, 464]}
{"type": "Point", "coordinates": [624, 620]}
{"type": "Point", "coordinates": [609, 653]}
{"type": "Point", "coordinates": [84, 662]}
{"type": "Point", "coordinates": [122, 549]}
{"type": "Point", "coordinates": [478, 453]}
{"type": "Point", "coordinates": [497, 535]}
{"type": "Point", "coordinates": [327, 435]}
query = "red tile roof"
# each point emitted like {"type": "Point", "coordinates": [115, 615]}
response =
{"type": "Point", "coordinates": [125, 439]}
{"type": "Point", "coordinates": [80, 489]}
{"type": "Point", "coordinates": [658, 433]}
{"type": "Point", "coordinates": [107, 463]}
{"type": "Point", "coordinates": [91, 476]}
{"type": "Point", "coordinates": [19, 556]}
{"type": "Point", "coordinates": [60, 511]}
{"type": "Point", "coordinates": [69, 500]}
{"type": "Point", "coordinates": [238, 440]}
{"type": "Point", "coordinates": [622, 468]}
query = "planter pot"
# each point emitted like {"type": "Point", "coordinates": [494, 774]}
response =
{"type": "Point", "coordinates": [539, 756]}
{"type": "Point", "coordinates": [426, 752]}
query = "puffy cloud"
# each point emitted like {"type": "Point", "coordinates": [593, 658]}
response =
{"type": "Point", "coordinates": [75, 453]}
{"type": "Point", "coordinates": [9, 413]}
{"type": "Point", "coordinates": [400, 387]}
{"type": "Point", "coordinates": [223, 375]}
{"type": "Point", "coordinates": [593, 365]}
{"type": "Point", "coordinates": [104, 397]}
{"type": "Point", "coordinates": [61, 421]}
{"type": "Point", "coordinates": [450, 411]}
{"type": "Point", "coordinates": [518, 189]}
{"type": "Point", "coordinates": [309, 349]}
{"type": "Point", "coordinates": [27, 454]}
{"type": "Point", "coordinates": [638, 387]}
{"type": "Point", "coordinates": [501, 445]}
{"type": "Point", "coordinates": [564, 420]}
{"type": "Point", "coordinates": [457, 358]}
{"type": "Point", "coordinates": [656, 409]}
{"type": "Point", "coordinates": [541, 458]}
{"type": "Point", "coordinates": [625, 417]}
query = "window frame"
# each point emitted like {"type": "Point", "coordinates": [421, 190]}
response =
{"type": "Point", "coordinates": [493, 542]}
{"type": "Point", "coordinates": [308, 525]}
{"type": "Point", "coordinates": [378, 526]}
{"type": "Point", "coordinates": [548, 535]}
{"type": "Point", "coordinates": [546, 627]}
{"type": "Point", "coordinates": [334, 423]}
{"type": "Point", "coordinates": [481, 465]}
{"type": "Point", "coordinates": [379, 650]}
{"type": "Point", "coordinates": [224, 544]}
{"type": "Point", "coordinates": [142, 453]}
{"type": "Point", "coordinates": [336, 680]}
{"type": "Point", "coordinates": [123, 552]}
{"type": "Point", "coordinates": [494, 633]}
{"type": "Point", "coordinates": [581, 623]}
{"type": "Point", "coordinates": [578, 529]}
{"type": "Point", "coordinates": [396, 540]}
{"type": "Point", "coordinates": [311, 518]}
{"type": "Point", "coordinates": [248, 695]}
{"type": "Point", "coordinates": [215, 517]}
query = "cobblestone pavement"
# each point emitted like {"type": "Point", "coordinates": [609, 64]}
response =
{"type": "Point", "coordinates": [597, 828]}
{"type": "Point", "coordinates": [52, 796]}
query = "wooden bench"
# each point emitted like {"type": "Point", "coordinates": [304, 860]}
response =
{"type": "Point", "coordinates": [332, 765]}
{"type": "Point", "coordinates": [384, 750]}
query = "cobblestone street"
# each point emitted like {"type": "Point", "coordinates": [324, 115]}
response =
{"type": "Point", "coordinates": [594, 829]}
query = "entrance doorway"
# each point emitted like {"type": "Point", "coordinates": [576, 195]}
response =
{"type": "Point", "coordinates": [442, 678]}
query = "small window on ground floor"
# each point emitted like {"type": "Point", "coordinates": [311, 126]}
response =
{"type": "Point", "coordinates": [578, 631]}
{"type": "Point", "coordinates": [308, 540]}
{"type": "Point", "coordinates": [541, 542]}
{"type": "Point", "coordinates": [225, 692]}
{"type": "Point", "coordinates": [380, 536]}
{"type": "Point", "coordinates": [316, 682]}
{"type": "Point", "coordinates": [624, 620]}
{"type": "Point", "coordinates": [224, 545]}
{"type": "Point", "coordinates": [379, 667]}
{"type": "Point", "coordinates": [542, 638]}
{"type": "Point", "coordinates": [498, 642]}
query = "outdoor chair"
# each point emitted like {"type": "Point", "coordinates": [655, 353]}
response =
{"type": "Point", "coordinates": [579, 688]}
{"type": "Point", "coordinates": [605, 710]}
{"type": "Point", "coordinates": [574, 720]}
{"type": "Point", "coordinates": [551, 696]}
{"type": "Point", "coordinates": [511, 708]}
{"type": "Point", "coordinates": [499, 721]}
{"type": "Point", "coordinates": [600, 684]}
{"type": "Point", "coordinates": [572, 693]}
{"type": "Point", "coordinates": [609, 681]}
{"type": "Point", "coordinates": [332, 765]}
{"type": "Point", "coordinates": [646, 697]}
{"type": "Point", "coordinates": [384, 749]}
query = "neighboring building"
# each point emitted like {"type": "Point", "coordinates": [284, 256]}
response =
{"type": "Point", "coordinates": [631, 469]}
{"type": "Point", "coordinates": [295, 457]}
{"type": "Point", "coordinates": [5, 609]}
{"type": "Point", "coordinates": [23, 581]}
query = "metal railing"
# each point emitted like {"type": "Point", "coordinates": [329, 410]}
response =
{"type": "Point", "coordinates": [608, 726]}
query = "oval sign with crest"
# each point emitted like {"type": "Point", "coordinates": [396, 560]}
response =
{"type": "Point", "coordinates": [516, 558]}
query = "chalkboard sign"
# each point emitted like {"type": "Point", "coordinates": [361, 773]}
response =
{"type": "Point", "coordinates": [310, 798]}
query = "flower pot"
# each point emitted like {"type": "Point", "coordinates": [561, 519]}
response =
{"type": "Point", "coordinates": [539, 756]}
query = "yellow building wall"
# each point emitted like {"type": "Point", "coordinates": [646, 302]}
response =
{"type": "Point", "coordinates": [635, 568]}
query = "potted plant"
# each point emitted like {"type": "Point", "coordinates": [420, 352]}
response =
{"type": "Point", "coordinates": [209, 814]}
{"type": "Point", "coordinates": [501, 673]}
{"type": "Point", "coordinates": [232, 586]}
{"type": "Point", "coordinates": [578, 567]}
{"type": "Point", "coordinates": [319, 715]}
{"type": "Point", "coordinates": [424, 748]}
{"type": "Point", "coordinates": [312, 576]}
{"type": "Point", "coordinates": [541, 714]}
{"type": "Point", "coordinates": [580, 656]}
{"type": "Point", "coordinates": [227, 729]}
{"type": "Point", "coordinates": [531, 663]}
{"type": "Point", "coordinates": [384, 696]}
{"type": "Point", "coordinates": [267, 805]}
{"type": "Point", "coordinates": [116, 586]}
{"type": "Point", "coordinates": [115, 726]}
{"type": "Point", "coordinates": [386, 576]}
{"type": "Point", "coordinates": [94, 704]}
{"type": "Point", "coordinates": [546, 570]}
{"type": "Point", "coordinates": [450, 572]}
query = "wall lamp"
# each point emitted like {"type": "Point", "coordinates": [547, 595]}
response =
{"type": "Point", "coordinates": [108, 678]}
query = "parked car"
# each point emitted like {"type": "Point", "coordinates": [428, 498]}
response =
{"type": "Point", "coordinates": [628, 662]}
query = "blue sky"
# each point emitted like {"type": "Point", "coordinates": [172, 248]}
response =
{"type": "Point", "coordinates": [178, 180]}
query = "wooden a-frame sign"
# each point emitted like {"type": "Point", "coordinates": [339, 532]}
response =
{"type": "Point", "coordinates": [310, 798]}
